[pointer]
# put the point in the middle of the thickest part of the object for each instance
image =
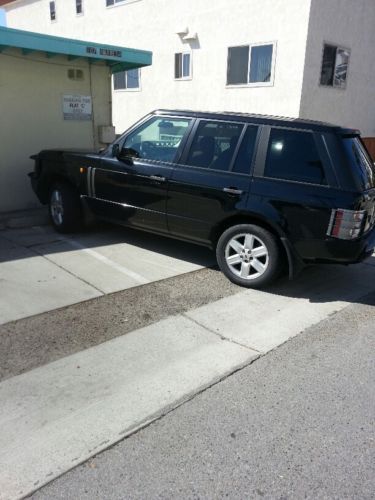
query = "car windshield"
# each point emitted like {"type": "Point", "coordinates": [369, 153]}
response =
{"type": "Point", "coordinates": [360, 161]}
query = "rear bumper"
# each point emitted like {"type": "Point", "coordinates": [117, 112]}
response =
{"type": "Point", "coordinates": [344, 251]}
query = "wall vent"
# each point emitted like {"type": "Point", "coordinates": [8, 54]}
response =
{"type": "Point", "coordinates": [75, 74]}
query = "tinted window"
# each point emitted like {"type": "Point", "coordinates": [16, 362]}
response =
{"type": "Point", "coordinates": [214, 144]}
{"type": "Point", "coordinates": [246, 151]}
{"type": "Point", "coordinates": [293, 155]}
{"type": "Point", "coordinates": [360, 161]}
{"type": "Point", "coordinates": [158, 139]}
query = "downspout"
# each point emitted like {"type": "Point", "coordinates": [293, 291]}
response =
{"type": "Point", "coordinates": [94, 141]}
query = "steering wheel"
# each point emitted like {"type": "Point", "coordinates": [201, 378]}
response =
{"type": "Point", "coordinates": [146, 148]}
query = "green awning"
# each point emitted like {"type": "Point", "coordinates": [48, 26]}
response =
{"type": "Point", "coordinates": [117, 58]}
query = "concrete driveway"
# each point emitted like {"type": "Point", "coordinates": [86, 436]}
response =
{"type": "Point", "coordinates": [41, 270]}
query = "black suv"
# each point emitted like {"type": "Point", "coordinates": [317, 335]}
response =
{"type": "Point", "coordinates": [260, 190]}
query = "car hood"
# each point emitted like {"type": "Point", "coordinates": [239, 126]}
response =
{"type": "Point", "coordinates": [59, 154]}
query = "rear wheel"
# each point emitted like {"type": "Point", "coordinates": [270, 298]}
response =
{"type": "Point", "coordinates": [65, 208]}
{"type": "Point", "coordinates": [249, 255]}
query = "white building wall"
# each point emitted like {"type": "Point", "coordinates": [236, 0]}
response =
{"type": "Point", "coordinates": [152, 25]}
{"type": "Point", "coordinates": [350, 24]}
{"type": "Point", "coordinates": [31, 90]}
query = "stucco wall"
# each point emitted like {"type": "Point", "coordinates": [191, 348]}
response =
{"type": "Point", "coordinates": [31, 90]}
{"type": "Point", "coordinates": [350, 24]}
{"type": "Point", "coordinates": [152, 25]}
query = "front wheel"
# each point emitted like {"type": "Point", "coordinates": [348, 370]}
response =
{"type": "Point", "coordinates": [65, 208]}
{"type": "Point", "coordinates": [249, 255]}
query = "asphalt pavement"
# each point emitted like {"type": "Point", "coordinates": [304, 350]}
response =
{"type": "Point", "coordinates": [296, 423]}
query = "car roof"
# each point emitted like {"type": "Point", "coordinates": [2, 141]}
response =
{"type": "Point", "coordinates": [259, 119]}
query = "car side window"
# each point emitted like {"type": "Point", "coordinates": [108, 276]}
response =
{"type": "Point", "coordinates": [293, 155]}
{"type": "Point", "coordinates": [214, 144]}
{"type": "Point", "coordinates": [158, 139]}
{"type": "Point", "coordinates": [246, 152]}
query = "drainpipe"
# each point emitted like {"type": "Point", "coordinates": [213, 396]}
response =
{"type": "Point", "coordinates": [94, 134]}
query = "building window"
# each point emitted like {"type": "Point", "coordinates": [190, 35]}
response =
{"type": "Point", "coordinates": [75, 74]}
{"type": "Point", "coordinates": [334, 66]}
{"type": "Point", "coordinates": [79, 7]}
{"type": "Point", "coordinates": [251, 65]}
{"type": "Point", "coordinates": [182, 66]}
{"type": "Point", "coordinates": [52, 11]}
{"type": "Point", "coordinates": [113, 2]}
{"type": "Point", "coordinates": [127, 80]}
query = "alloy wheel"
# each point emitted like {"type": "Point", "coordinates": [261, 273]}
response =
{"type": "Point", "coordinates": [247, 256]}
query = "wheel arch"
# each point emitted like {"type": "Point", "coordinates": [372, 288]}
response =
{"type": "Point", "coordinates": [292, 261]}
{"type": "Point", "coordinates": [49, 180]}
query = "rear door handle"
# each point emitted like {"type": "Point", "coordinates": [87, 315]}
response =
{"type": "Point", "coordinates": [158, 178]}
{"type": "Point", "coordinates": [233, 190]}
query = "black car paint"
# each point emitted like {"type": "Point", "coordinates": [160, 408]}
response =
{"type": "Point", "coordinates": [194, 204]}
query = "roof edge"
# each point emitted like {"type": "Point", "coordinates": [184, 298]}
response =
{"type": "Point", "coordinates": [117, 57]}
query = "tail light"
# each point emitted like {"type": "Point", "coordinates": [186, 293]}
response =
{"type": "Point", "coordinates": [346, 224]}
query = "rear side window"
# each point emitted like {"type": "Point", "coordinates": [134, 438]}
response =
{"type": "Point", "coordinates": [214, 144]}
{"type": "Point", "coordinates": [246, 152]}
{"type": "Point", "coordinates": [293, 156]}
{"type": "Point", "coordinates": [360, 162]}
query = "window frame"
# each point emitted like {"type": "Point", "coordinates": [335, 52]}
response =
{"type": "Point", "coordinates": [126, 89]}
{"type": "Point", "coordinates": [119, 3]}
{"type": "Point", "coordinates": [184, 78]}
{"type": "Point", "coordinates": [82, 9]}
{"type": "Point", "coordinates": [271, 83]}
{"type": "Point", "coordinates": [338, 47]}
{"type": "Point", "coordinates": [54, 11]}
{"type": "Point", "coordinates": [261, 159]}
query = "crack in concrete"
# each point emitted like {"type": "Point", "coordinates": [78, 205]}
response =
{"type": "Point", "coordinates": [222, 337]}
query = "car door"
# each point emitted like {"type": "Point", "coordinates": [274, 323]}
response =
{"type": "Point", "coordinates": [295, 185]}
{"type": "Point", "coordinates": [130, 186]}
{"type": "Point", "coordinates": [211, 182]}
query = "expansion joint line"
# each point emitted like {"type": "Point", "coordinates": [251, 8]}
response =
{"type": "Point", "coordinates": [221, 336]}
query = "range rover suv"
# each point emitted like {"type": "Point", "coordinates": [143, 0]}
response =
{"type": "Point", "coordinates": [262, 191]}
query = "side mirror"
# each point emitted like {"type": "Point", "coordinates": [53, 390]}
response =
{"type": "Point", "coordinates": [124, 154]}
{"type": "Point", "coordinates": [116, 150]}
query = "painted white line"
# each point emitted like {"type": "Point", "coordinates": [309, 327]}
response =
{"type": "Point", "coordinates": [57, 416]}
{"type": "Point", "coordinates": [30, 284]}
{"type": "Point", "coordinates": [142, 280]}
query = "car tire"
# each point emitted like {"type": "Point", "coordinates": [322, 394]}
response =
{"type": "Point", "coordinates": [249, 255]}
{"type": "Point", "coordinates": [65, 208]}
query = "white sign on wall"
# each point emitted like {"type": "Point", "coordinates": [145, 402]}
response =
{"type": "Point", "coordinates": [77, 107]}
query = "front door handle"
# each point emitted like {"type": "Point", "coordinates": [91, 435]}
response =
{"type": "Point", "coordinates": [233, 190]}
{"type": "Point", "coordinates": [158, 178]}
